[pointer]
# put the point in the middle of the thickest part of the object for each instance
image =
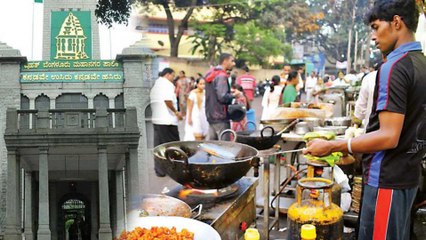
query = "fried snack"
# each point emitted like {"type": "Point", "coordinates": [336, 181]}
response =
{"type": "Point", "coordinates": [157, 233]}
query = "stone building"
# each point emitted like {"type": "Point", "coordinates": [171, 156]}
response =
{"type": "Point", "coordinates": [75, 131]}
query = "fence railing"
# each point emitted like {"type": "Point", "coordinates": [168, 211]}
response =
{"type": "Point", "coordinates": [70, 118]}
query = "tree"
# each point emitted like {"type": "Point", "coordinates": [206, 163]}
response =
{"type": "Point", "coordinates": [110, 11]}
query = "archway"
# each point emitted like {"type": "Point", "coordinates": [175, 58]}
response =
{"type": "Point", "coordinates": [74, 217]}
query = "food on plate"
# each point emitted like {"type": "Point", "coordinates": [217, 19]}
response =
{"type": "Point", "coordinates": [330, 159]}
{"type": "Point", "coordinates": [326, 135]}
{"type": "Point", "coordinates": [157, 233]}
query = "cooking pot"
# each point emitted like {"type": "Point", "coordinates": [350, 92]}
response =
{"type": "Point", "coordinates": [202, 231]}
{"type": "Point", "coordinates": [205, 164]}
{"type": "Point", "coordinates": [259, 139]}
{"type": "Point", "coordinates": [161, 205]}
{"type": "Point", "coordinates": [302, 128]}
{"type": "Point", "coordinates": [338, 121]}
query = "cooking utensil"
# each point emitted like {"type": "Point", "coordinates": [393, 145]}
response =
{"type": "Point", "coordinates": [338, 121]}
{"type": "Point", "coordinates": [161, 205]}
{"type": "Point", "coordinates": [302, 128]}
{"type": "Point", "coordinates": [202, 231]}
{"type": "Point", "coordinates": [191, 166]}
{"type": "Point", "coordinates": [313, 121]}
{"type": "Point", "coordinates": [338, 130]}
{"type": "Point", "coordinates": [259, 139]}
{"type": "Point", "coordinates": [277, 124]}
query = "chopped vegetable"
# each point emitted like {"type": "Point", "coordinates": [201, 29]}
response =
{"type": "Point", "coordinates": [157, 233]}
{"type": "Point", "coordinates": [320, 134]}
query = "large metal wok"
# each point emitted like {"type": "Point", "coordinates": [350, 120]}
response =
{"type": "Point", "coordinates": [259, 139]}
{"type": "Point", "coordinates": [205, 164]}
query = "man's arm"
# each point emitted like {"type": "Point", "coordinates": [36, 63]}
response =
{"type": "Point", "coordinates": [169, 105]}
{"type": "Point", "coordinates": [387, 137]}
{"type": "Point", "coordinates": [221, 88]}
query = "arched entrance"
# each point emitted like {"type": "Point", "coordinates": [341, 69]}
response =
{"type": "Point", "coordinates": [74, 217]}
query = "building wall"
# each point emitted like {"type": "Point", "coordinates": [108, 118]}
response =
{"type": "Point", "coordinates": [9, 98]}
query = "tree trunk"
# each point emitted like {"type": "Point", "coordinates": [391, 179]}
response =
{"type": "Point", "coordinates": [175, 40]}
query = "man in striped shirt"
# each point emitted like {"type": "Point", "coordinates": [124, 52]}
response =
{"type": "Point", "coordinates": [395, 142]}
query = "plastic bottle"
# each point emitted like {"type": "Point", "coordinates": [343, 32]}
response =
{"type": "Point", "coordinates": [251, 234]}
{"type": "Point", "coordinates": [308, 232]}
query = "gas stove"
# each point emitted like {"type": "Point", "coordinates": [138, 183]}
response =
{"type": "Point", "coordinates": [229, 210]}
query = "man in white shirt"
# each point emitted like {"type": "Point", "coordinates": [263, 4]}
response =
{"type": "Point", "coordinates": [311, 81]}
{"type": "Point", "coordinates": [364, 102]}
{"type": "Point", "coordinates": [164, 114]}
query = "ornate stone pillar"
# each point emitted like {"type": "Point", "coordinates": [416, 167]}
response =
{"type": "Point", "coordinates": [13, 223]}
{"type": "Point", "coordinates": [28, 228]}
{"type": "Point", "coordinates": [104, 215]}
{"type": "Point", "coordinates": [43, 232]}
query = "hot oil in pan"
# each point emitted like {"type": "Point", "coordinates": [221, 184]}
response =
{"type": "Point", "coordinates": [201, 156]}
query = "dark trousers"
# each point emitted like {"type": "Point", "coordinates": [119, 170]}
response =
{"type": "Point", "coordinates": [385, 213]}
{"type": "Point", "coordinates": [164, 134]}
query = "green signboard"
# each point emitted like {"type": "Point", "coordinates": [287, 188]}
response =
{"type": "Point", "coordinates": [72, 77]}
{"type": "Point", "coordinates": [71, 65]}
{"type": "Point", "coordinates": [71, 35]}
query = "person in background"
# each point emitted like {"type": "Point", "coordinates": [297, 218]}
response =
{"type": "Point", "coordinates": [272, 97]}
{"type": "Point", "coordinates": [219, 96]}
{"type": "Point", "coordinates": [340, 80]}
{"type": "Point", "coordinates": [243, 100]}
{"type": "Point", "coordinates": [284, 74]}
{"type": "Point", "coordinates": [248, 83]}
{"type": "Point", "coordinates": [193, 83]}
{"type": "Point", "coordinates": [301, 86]}
{"type": "Point", "coordinates": [311, 81]}
{"type": "Point", "coordinates": [164, 112]}
{"type": "Point", "coordinates": [317, 90]}
{"type": "Point", "coordinates": [392, 146]}
{"type": "Point", "coordinates": [290, 92]}
{"type": "Point", "coordinates": [183, 87]}
{"type": "Point", "coordinates": [362, 73]}
{"type": "Point", "coordinates": [196, 126]}
{"type": "Point", "coordinates": [352, 78]}
{"type": "Point", "coordinates": [364, 103]}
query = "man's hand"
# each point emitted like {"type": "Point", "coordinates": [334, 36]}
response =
{"type": "Point", "coordinates": [179, 116]}
{"type": "Point", "coordinates": [318, 147]}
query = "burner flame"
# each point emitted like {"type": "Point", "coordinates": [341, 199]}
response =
{"type": "Point", "coordinates": [183, 194]}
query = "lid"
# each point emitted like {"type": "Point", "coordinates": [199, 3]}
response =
{"type": "Point", "coordinates": [251, 234]}
{"type": "Point", "coordinates": [308, 231]}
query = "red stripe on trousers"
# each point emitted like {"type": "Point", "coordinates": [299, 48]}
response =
{"type": "Point", "coordinates": [381, 217]}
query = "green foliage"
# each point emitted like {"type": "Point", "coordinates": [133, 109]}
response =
{"type": "Point", "coordinates": [256, 44]}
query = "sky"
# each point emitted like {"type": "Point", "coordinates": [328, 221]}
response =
{"type": "Point", "coordinates": [17, 22]}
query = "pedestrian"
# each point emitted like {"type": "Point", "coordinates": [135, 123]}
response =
{"type": "Point", "coordinates": [219, 96]}
{"type": "Point", "coordinates": [393, 144]}
{"type": "Point", "coordinates": [311, 81]}
{"type": "Point", "coordinates": [248, 83]}
{"type": "Point", "coordinates": [244, 101]}
{"type": "Point", "coordinates": [164, 114]}
{"type": "Point", "coordinates": [183, 87]}
{"type": "Point", "coordinates": [272, 97]}
{"type": "Point", "coordinates": [196, 126]}
{"type": "Point", "coordinates": [284, 74]}
{"type": "Point", "coordinates": [340, 80]}
{"type": "Point", "coordinates": [290, 92]}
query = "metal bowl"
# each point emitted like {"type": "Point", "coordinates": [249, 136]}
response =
{"type": "Point", "coordinates": [338, 130]}
{"type": "Point", "coordinates": [339, 121]}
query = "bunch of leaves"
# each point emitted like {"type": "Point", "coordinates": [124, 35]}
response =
{"type": "Point", "coordinates": [331, 159]}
